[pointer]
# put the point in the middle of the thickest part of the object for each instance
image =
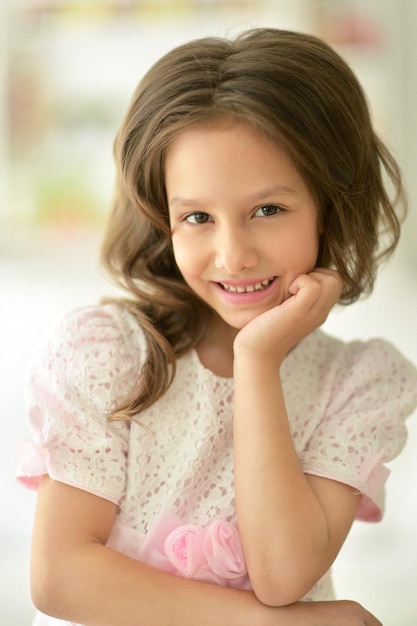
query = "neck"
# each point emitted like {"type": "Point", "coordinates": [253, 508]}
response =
{"type": "Point", "coordinates": [215, 350]}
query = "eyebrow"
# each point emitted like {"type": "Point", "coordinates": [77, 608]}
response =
{"type": "Point", "coordinates": [279, 190]}
{"type": "Point", "coordinates": [259, 196]}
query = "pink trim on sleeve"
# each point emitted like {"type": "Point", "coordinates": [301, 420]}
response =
{"type": "Point", "coordinates": [370, 483]}
{"type": "Point", "coordinates": [374, 474]}
{"type": "Point", "coordinates": [35, 461]}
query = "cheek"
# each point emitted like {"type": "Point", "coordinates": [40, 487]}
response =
{"type": "Point", "coordinates": [187, 255]}
{"type": "Point", "coordinates": [310, 245]}
{"type": "Point", "coordinates": [301, 250]}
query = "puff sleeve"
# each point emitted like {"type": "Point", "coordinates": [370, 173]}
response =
{"type": "Point", "coordinates": [373, 391]}
{"type": "Point", "coordinates": [80, 370]}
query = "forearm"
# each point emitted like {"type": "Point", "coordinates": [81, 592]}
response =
{"type": "Point", "coordinates": [97, 586]}
{"type": "Point", "coordinates": [281, 522]}
{"type": "Point", "coordinates": [100, 587]}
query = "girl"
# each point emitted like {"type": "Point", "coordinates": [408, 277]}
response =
{"type": "Point", "coordinates": [202, 448]}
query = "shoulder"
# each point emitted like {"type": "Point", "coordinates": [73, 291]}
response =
{"type": "Point", "coordinates": [94, 348]}
{"type": "Point", "coordinates": [350, 377]}
{"type": "Point", "coordinates": [103, 327]}
{"type": "Point", "coordinates": [358, 359]}
{"type": "Point", "coordinates": [373, 369]}
{"type": "Point", "coordinates": [110, 322]}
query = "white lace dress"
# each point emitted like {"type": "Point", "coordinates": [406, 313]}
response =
{"type": "Point", "coordinates": [347, 403]}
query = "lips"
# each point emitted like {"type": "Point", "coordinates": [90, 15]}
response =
{"type": "Point", "coordinates": [260, 285]}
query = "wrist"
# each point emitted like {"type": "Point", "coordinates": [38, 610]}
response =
{"type": "Point", "coordinates": [257, 360]}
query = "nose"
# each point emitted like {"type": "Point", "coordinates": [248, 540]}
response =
{"type": "Point", "coordinates": [235, 250]}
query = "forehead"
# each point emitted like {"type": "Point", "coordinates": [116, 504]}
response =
{"type": "Point", "coordinates": [232, 144]}
{"type": "Point", "coordinates": [223, 125]}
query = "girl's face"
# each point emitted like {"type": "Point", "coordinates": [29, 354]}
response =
{"type": "Point", "coordinates": [244, 223]}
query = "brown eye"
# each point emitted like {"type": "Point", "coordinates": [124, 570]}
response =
{"type": "Point", "coordinates": [268, 210]}
{"type": "Point", "coordinates": [198, 218]}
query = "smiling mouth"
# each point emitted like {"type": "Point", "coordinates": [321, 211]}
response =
{"type": "Point", "coordinates": [259, 286]}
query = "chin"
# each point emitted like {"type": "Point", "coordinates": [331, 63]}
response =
{"type": "Point", "coordinates": [239, 323]}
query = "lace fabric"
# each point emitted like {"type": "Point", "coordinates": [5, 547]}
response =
{"type": "Point", "coordinates": [347, 405]}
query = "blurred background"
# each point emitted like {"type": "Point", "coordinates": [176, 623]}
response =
{"type": "Point", "coordinates": [67, 71]}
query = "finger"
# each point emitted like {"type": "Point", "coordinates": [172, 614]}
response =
{"type": "Point", "coordinates": [332, 278]}
{"type": "Point", "coordinates": [308, 285]}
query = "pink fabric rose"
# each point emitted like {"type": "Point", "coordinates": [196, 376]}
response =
{"type": "Point", "coordinates": [184, 549]}
{"type": "Point", "coordinates": [224, 552]}
{"type": "Point", "coordinates": [212, 554]}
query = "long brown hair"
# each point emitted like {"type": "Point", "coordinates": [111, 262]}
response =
{"type": "Point", "coordinates": [298, 91]}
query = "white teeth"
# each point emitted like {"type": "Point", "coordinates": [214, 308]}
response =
{"type": "Point", "coordinates": [249, 288]}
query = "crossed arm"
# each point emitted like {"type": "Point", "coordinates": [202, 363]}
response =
{"type": "Point", "coordinates": [75, 577]}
